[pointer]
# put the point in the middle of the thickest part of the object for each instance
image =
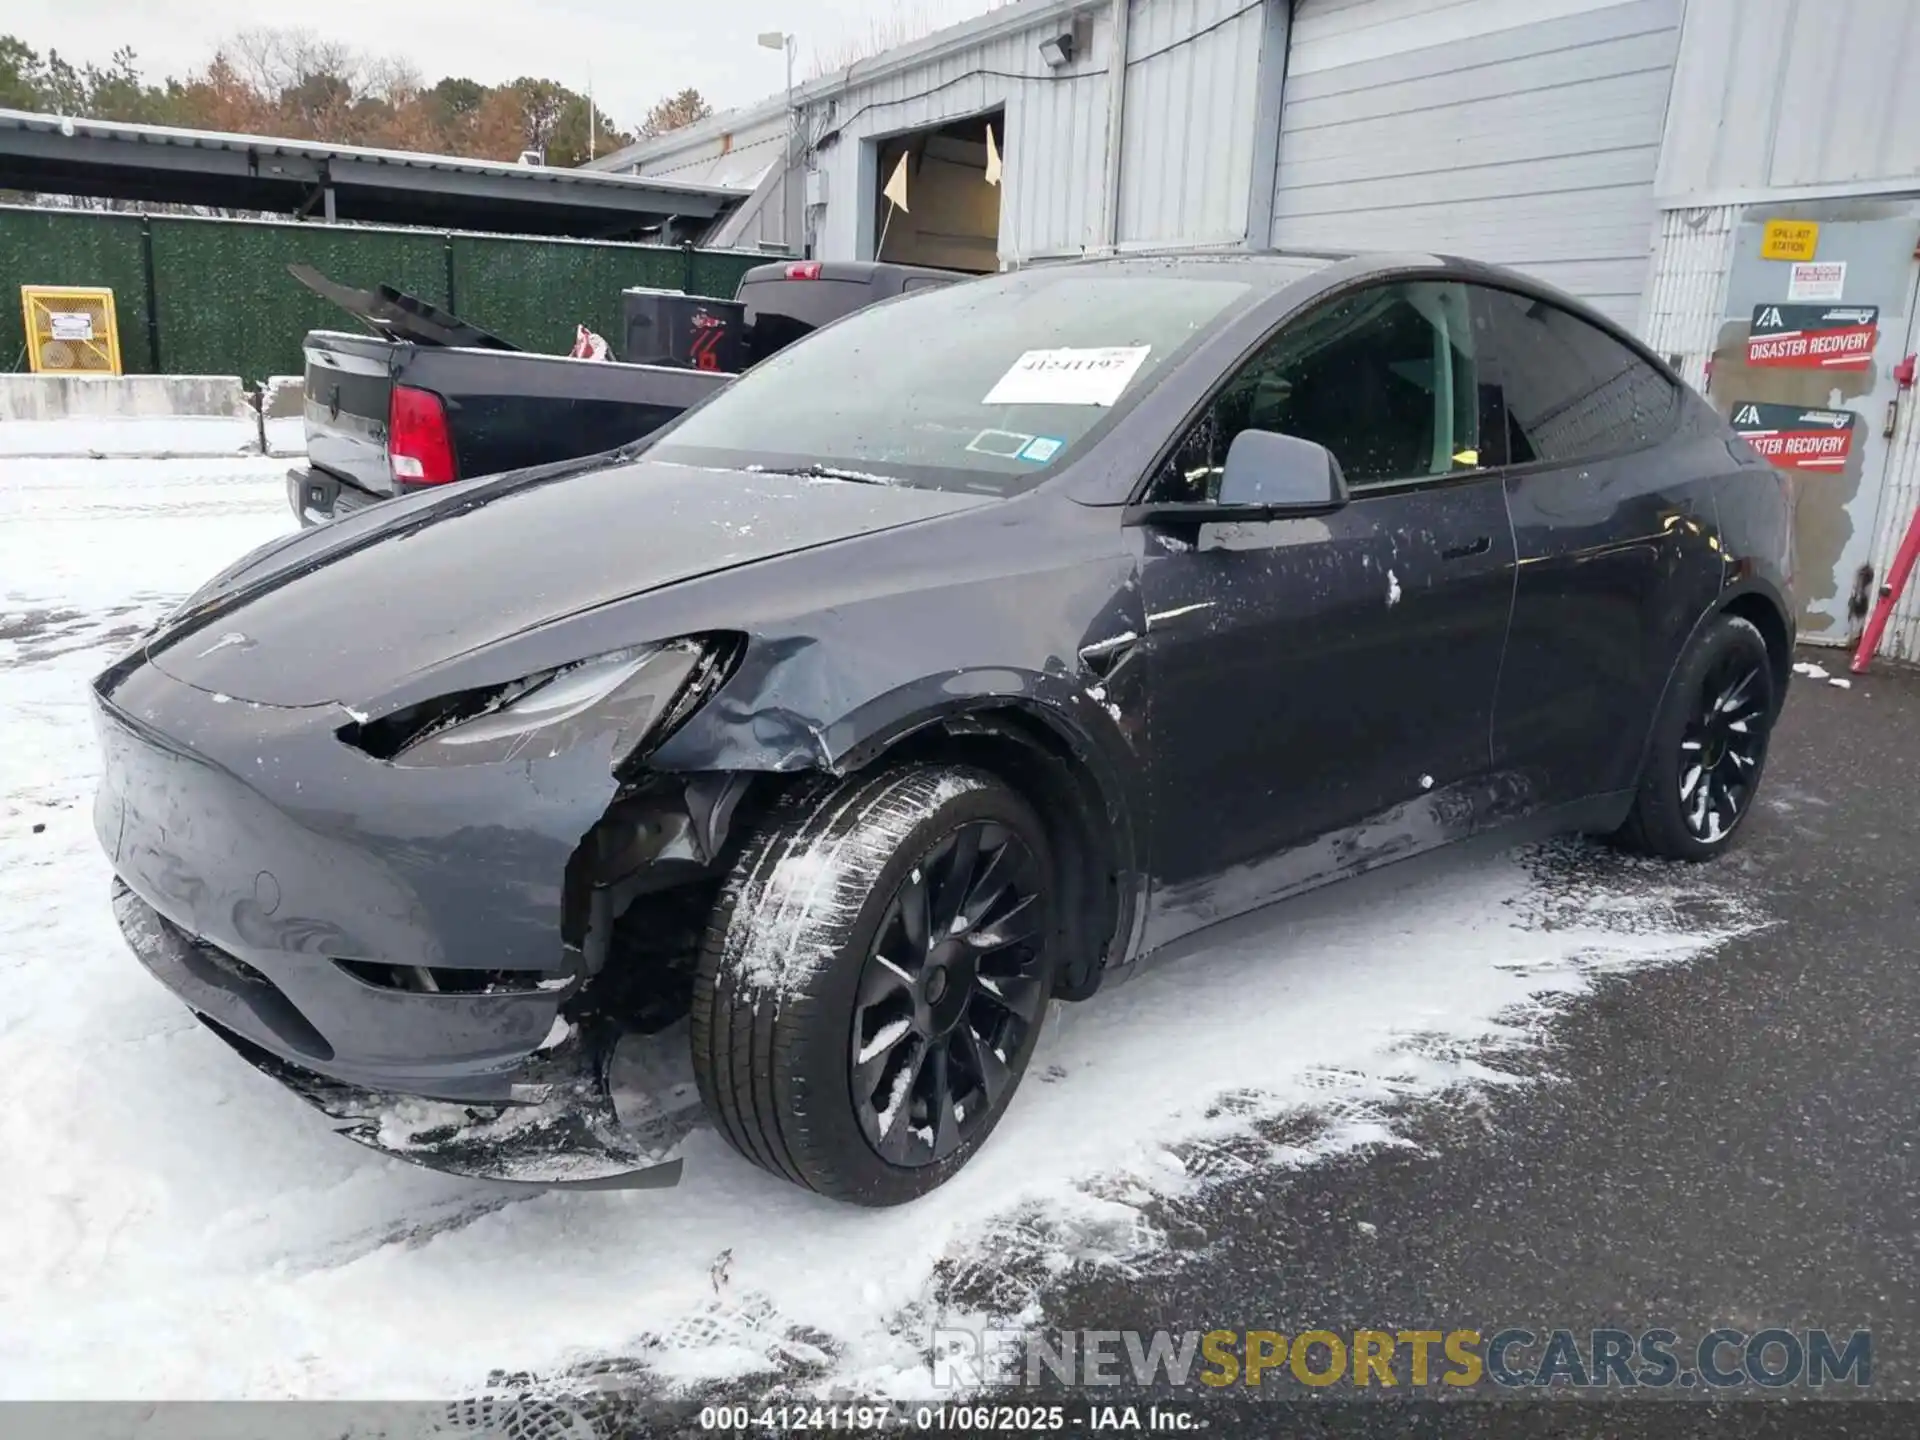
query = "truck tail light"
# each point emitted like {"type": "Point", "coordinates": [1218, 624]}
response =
{"type": "Point", "coordinates": [419, 444]}
{"type": "Point", "coordinates": [804, 270]}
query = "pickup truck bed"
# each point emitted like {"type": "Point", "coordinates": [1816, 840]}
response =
{"type": "Point", "coordinates": [427, 399]}
{"type": "Point", "coordinates": [502, 409]}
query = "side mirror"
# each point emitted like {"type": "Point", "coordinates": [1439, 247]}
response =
{"type": "Point", "coordinates": [1281, 475]}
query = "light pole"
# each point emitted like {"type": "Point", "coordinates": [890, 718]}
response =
{"type": "Point", "coordinates": [790, 223]}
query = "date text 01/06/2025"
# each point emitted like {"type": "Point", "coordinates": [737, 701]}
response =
{"type": "Point", "coordinates": [946, 1419]}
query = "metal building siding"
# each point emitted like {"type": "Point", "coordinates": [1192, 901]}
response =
{"type": "Point", "coordinates": [1187, 148]}
{"type": "Point", "coordinates": [1793, 94]}
{"type": "Point", "coordinates": [1055, 153]}
{"type": "Point", "coordinates": [1054, 148]}
{"type": "Point", "coordinates": [1188, 143]}
{"type": "Point", "coordinates": [1525, 132]}
{"type": "Point", "coordinates": [1687, 291]}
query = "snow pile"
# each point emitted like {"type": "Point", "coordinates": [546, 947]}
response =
{"type": "Point", "coordinates": [133, 437]}
{"type": "Point", "coordinates": [178, 1226]}
{"type": "Point", "coordinates": [1818, 672]}
{"type": "Point", "coordinates": [286, 436]}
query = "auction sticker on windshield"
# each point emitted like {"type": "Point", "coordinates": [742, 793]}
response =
{"type": "Point", "coordinates": [1069, 376]}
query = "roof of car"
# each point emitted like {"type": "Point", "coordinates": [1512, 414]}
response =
{"type": "Point", "coordinates": [1267, 270]}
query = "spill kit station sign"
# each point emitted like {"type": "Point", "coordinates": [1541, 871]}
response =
{"type": "Point", "coordinates": [1813, 337]}
{"type": "Point", "coordinates": [1790, 240]}
{"type": "Point", "coordinates": [1797, 439]}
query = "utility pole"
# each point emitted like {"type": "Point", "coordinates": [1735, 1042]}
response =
{"type": "Point", "coordinates": [790, 222]}
{"type": "Point", "coordinates": [795, 224]}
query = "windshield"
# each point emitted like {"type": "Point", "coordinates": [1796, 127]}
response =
{"type": "Point", "coordinates": [979, 386]}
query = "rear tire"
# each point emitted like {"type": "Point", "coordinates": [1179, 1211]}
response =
{"type": "Point", "coordinates": [1708, 748]}
{"type": "Point", "coordinates": [874, 979]}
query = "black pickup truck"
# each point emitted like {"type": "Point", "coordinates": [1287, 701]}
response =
{"type": "Point", "coordinates": [427, 399]}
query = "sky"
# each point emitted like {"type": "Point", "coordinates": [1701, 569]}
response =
{"type": "Point", "coordinates": [636, 51]}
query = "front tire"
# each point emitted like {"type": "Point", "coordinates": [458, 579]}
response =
{"type": "Point", "coordinates": [1708, 748]}
{"type": "Point", "coordinates": [874, 979]}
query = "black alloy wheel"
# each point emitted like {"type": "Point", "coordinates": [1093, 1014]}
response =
{"type": "Point", "coordinates": [949, 992]}
{"type": "Point", "coordinates": [1707, 748]}
{"type": "Point", "coordinates": [1723, 744]}
{"type": "Point", "coordinates": [875, 978]}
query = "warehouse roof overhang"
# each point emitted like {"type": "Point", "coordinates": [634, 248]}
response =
{"type": "Point", "coordinates": [160, 164]}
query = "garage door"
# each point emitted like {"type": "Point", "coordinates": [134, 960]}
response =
{"type": "Point", "coordinates": [1524, 132]}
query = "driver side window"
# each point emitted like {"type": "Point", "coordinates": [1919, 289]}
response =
{"type": "Point", "coordinates": [1385, 378]}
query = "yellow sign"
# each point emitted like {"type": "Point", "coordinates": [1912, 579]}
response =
{"type": "Point", "coordinates": [70, 330]}
{"type": "Point", "coordinates": [1790, 240]}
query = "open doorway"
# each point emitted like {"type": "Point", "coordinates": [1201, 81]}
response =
{"type": "Point", "coordinates": [952, 219]}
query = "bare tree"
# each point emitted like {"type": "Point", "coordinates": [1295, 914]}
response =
{"type": "Point", "coordinates": [274, 61]}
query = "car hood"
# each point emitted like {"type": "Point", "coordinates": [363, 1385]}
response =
{"type": "Point", "coordinates": [343, 614]}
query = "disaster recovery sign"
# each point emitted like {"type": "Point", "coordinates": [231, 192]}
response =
{"type": "Point", "coordinates": [1509, 1357]}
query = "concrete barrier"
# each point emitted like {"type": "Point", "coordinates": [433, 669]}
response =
{"type": "Point", "coordinates": [122, 397]}
{"type": "Point", "coordinates": [283, 397]}
{"type": "Point", "coordinates": [148, 416]}
{"type": "Point", "coordinates": [283, 415]}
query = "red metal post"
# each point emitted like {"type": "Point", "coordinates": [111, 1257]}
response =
{"type": "Point", "coordinates": [1896, 582]}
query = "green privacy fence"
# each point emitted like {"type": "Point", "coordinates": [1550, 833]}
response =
{"type": "Point", "coordinates": [213, 297]}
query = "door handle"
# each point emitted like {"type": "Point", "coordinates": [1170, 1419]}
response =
{"type": "Point", "coordinates": [1463, 552]}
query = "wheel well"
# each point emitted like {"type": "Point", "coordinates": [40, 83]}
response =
{"type": "Point", "coordinates": [1765, 617]}
{"type": "Point", "coordinates": [1040, 764]}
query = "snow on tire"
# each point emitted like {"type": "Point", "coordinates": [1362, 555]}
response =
{"type": "Point", "coordinates": [873, 979]}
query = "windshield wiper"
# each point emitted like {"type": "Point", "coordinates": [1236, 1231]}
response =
{"type": "Point", "coordinates": [825, 472]}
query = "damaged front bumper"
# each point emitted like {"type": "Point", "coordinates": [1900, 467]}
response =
{"type": "Point", "coordinates": [596, 1110]}
{"type": "Point", "coordinates": [425, 954]}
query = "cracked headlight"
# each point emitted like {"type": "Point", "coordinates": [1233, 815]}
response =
{"type": "Point", "coordinates": [626, 695]}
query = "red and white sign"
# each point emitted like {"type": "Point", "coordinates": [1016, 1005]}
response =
{"type": "Point", "coordinates": [1796, 439]}
{"type": "Point", "coordinates": [1813, 337]}
{"type": "Point", "coordinates": [1814, 281]}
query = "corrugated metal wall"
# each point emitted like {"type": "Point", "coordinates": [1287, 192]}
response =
{"type": "Point", "coordinates": [1054, 147]}
{"type": "Point", "coordinates": [1779, 94]}
{"type": "Point", "coordinates": [744, 152]}
{"type": "Point", "coordinates": [1681, 315]}
{"type": "Point", "coordinates": [1054, 189]}
{"type": "Point", "coordinates": [1187, 152]}
{"type": "Point", "coordinates": [1188, 144]}
{"type": "Point", "coordinates": [1525, 132]}
{"type": "Point", "coordinates": [224, 303]}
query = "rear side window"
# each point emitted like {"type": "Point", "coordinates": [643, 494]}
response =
{"type": "Point", "coordinates": [1571, 391]}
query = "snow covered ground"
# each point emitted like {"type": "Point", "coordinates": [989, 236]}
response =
{"type": "Point", "coordinates": [178, 1227]}
{"type": "Point", "coordinates": [152, 437]}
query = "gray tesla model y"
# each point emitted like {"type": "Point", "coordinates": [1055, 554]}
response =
{"type": "Point", "coordinates": [777, 773]}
